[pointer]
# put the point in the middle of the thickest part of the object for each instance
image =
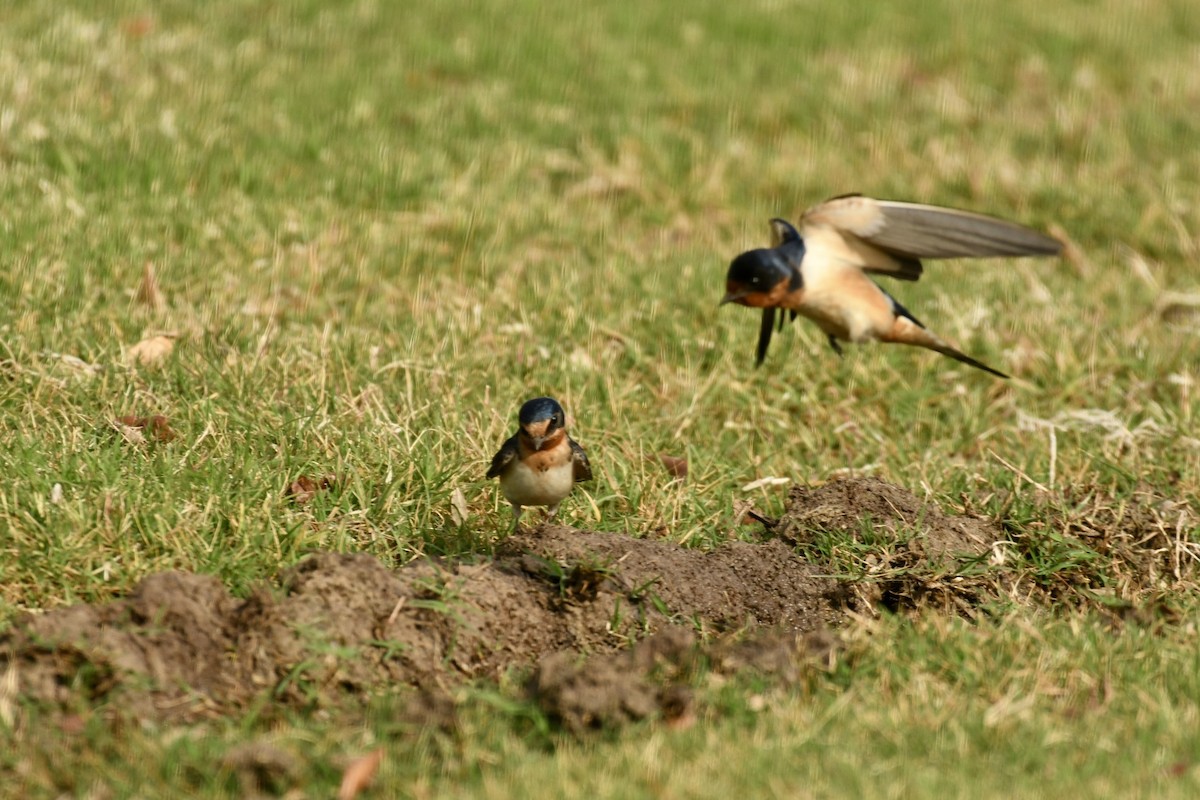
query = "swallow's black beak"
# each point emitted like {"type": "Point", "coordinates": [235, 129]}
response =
{"type": "Point", "coordinates": [733, 297]}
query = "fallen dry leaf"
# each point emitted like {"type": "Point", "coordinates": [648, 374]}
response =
{"type": "Point", "coordinates": [359, 774]}
{"type": "Point", "coordinates": [677, 467]}
{"type": "Point", "coordinates": [458, 506]}
{"type": "Point", "coordinates": [305, 488]}
{"type": "Point", "coordinates": [148, 292]}
{"type": "Point", "coordinates": [150, 352]}
{"type": "Point", "coordinates": [156, 426]}
{"type": "Point", "coordinates": [130, 433]}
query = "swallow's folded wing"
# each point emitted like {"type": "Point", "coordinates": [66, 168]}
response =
{"type": "Point", "coordinates": [505, 456]}
{"type": "Point", "coordinates": [583, 468]}
{"type": "Point", "coordinates": [915, 231]}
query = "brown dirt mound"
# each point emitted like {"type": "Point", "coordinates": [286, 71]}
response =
{"type": "Point", "coordinates": [608, 624]}
{"type": "Point", "coordinates": [181, 646]}
{"type": "Point", "coordinates": [652, 677]}
{"type": "Point", "coordinates": [917, 555]}
{"type": "Point", "coordinates": [845, 505]}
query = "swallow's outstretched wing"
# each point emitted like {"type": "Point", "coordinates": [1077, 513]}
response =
{"type": "Point", "coordinates": [583, 468]}
{"type": "Point", "coordinates": [890, 237]}
{"type": "Point", "coordinates": [506, 455]}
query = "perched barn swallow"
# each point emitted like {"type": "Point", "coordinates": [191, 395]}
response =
{"type": "Point", "coordinates": [821, 270]}
{"type": "Point", "coordinates": [539, 465]}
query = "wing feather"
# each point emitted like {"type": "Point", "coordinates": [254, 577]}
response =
{"type": "Point", "coordinates": [583, 468]}
{"type": "Point", "coordinates": [915, 231]}
{"type": "Point", "coordinates": [504, 457]}
{"type": "Point", "coordinates": [933, 232]}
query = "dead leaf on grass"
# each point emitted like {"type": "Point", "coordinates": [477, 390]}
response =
{"type": "Point", "coordinates": [359, 774]}
{"type": "Point", "coordinates": [306, 487]}
{"type": "Point", "coordinates": [458, 506]}
{"type": "Point", "coordinates": [150, 352]}
{"type": "Point", "coordinates": [130, 433]}
{"type": "Point", "coordinates": [156, 426]}
{"type": "Point", "coordinates": [675, 466]}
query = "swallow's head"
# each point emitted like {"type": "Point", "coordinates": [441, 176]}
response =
{"type": "Point", "coordinates": [541, 418]}
{"type": "Point", "coordinates": [758, 278]}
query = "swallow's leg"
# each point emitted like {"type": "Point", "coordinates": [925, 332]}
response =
{"type": "Point", "coordinates": [551, 513]}
{"type": "Point", "coordinates": [833, 342]}
{"type": "Point", "coordinates": [516, 517]}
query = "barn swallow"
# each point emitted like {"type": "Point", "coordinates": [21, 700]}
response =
{"type": "Point", "coordinates": [821, 270]}
{"type": "Point", "coordinates": [539, 465]}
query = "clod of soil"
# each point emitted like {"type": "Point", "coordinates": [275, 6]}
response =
{"type": "Point", "coordinates": [651, 678]}
{"type": "Point", "coordinates": [181, 646]}
{"type": "Point", "coordinates": [917, 555]}
{"type": "Point", "coordinates": [845, 505]}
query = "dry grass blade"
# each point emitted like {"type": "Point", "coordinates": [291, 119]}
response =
{"type": "Point", "coordinates": [148, 292]}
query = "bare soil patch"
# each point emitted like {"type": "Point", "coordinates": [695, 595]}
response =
{"type": "Point", "coordinates": [180, 646]}
{"type": "Point", "coordinates": [609, 627]}
{"type": "Point", "coordinates": [916, 557]}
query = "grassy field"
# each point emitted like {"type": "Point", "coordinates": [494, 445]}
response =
{"type": "Point", "coordinates": [377, 227]}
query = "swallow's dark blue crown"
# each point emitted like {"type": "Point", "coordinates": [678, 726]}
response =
{"type": "Point", "coordinates": [538, 409]}
{"type": "Point", "coordinates": [759, 270]}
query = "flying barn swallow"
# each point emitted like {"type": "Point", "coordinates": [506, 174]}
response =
{"type": "Point", "coordinates": [539, 465]}
{"type": "Point", "coordinates": [821, 270]}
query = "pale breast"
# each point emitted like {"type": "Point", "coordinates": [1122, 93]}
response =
{"type": "Point", "coordinates": [846, 303]}
{"type": "Point", "coordinates": [543, 484]}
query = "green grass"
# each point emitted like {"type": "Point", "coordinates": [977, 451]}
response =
{"type": "Point", "coordinates": [378, 227]}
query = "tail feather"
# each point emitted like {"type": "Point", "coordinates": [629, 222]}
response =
{"type": "Point", "coordinates": [957, 355]}
{"type": "Point", "coordinates": [904, 331]}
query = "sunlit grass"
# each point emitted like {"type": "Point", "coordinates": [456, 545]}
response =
{"type": "Point", "coordinates": [378, 227]}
